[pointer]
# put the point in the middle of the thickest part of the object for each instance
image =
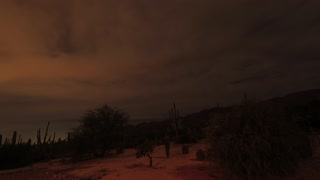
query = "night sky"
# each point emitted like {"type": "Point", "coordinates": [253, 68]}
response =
{"type": "Point", "coordinates": [61, 57]}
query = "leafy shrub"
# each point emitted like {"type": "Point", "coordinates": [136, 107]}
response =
{"type": "Point", "coordinates": [200, 155]}
{"type": "Point", "coordinates": [256, 141]}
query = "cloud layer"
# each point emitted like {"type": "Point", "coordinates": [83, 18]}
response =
{"type": "Point", "coordinates": [60, 57]}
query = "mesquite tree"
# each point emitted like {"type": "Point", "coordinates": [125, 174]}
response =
{"type": "Point", "coordinates": [102, 128]}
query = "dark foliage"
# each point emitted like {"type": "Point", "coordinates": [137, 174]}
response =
{"type": "Point", "coordinates": [145, 149]}
{"type": "Point", "coordinates": [101, 129]}
{"type": "Point", "coordinates": [43, 149]}
{"type": "Point", "coordinates": [250, 140]}
{"type": "Point", "coordinates": [307, 115]}
{"type": "Point", "coordinates": [13, 154]}
{"type": "Point", "coordinates": [81, 148]}
{"type": "Point", "coordinates": [155, 131]}
{"type": "Point", "coordinates": [256, 141]}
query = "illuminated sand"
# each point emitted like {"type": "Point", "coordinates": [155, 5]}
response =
{"type": "Point", "coordinates": [127, 166]}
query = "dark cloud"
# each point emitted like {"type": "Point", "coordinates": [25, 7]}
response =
{"type": "Point", "coordinates": [17, 107]}
{"type": "Point", "coordinates": [18, 100]}
{"type": "Point", "coordinates": [59, 57]}
{"type": "Point", "coordinates": [250, 79]}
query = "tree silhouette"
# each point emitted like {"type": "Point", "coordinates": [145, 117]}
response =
{"type": "Point", "coordinates": [101, 128]}
{"type": "Point", "coordinates": [145, 149]}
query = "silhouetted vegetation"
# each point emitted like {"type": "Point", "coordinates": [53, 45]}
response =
{"type": "Point", "coordinates": [155, 131]}
{"type": "Point", "coordinates": [42, 148]}
{"type": "Point", "coordinates": [100, 131]}
{"type": "Point", "coordinates": [145, 149]}
{"type": "Point", "coordinates": [307, 115]}
{"type": "Point", "coordinates": [175, 119]}
{"type": "Point", "coordinates": [183, 133]}
{"type": "Point", "coordinates": [256, 141]}
{"type": "Point", "coordinates": [249, 140]}
{"type": "Point", "coordinates": [13, 154]}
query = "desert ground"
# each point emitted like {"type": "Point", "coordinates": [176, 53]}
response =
{"type": "Point", "coordinates": [123, 166]}
{"type": "Point", "coordinates": [127, 166]}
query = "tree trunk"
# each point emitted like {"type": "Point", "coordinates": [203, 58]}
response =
{"type": "Point", "coordinates": [150, 161]}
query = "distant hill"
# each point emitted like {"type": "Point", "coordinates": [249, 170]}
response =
{"type": "Point", "coordinates": [290, 101]}
{"type": "Point", "coordinates": [296, 99]}
{"type": "Point", "coordinates": [304, 102]}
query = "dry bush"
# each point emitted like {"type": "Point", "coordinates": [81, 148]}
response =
{"type": "Point", "coordinates": [253, 141]}
{"type": "Point", "coordinates": [146, 149]}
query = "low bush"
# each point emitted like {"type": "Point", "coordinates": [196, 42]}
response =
{"type": "Point", "coordinates": [255, 141]}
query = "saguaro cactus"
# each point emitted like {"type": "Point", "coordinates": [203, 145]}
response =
{"type": "Point", "coordinates": [6, 142]}
{"type": "Point", "coordinates": [46, 133]}
{"type": "Point", "coordinates": [39, 136]}
{"type": "Point", "coordinates": [29, 142]}
{"type": "Point", "coordinates": [14, 138]}
{"type": "Point", "coordinates": [174, 117]}
{"type": "Point", "coordinates": [54, 137]}
{"type": "Point", "coordinates": [19, 139]}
